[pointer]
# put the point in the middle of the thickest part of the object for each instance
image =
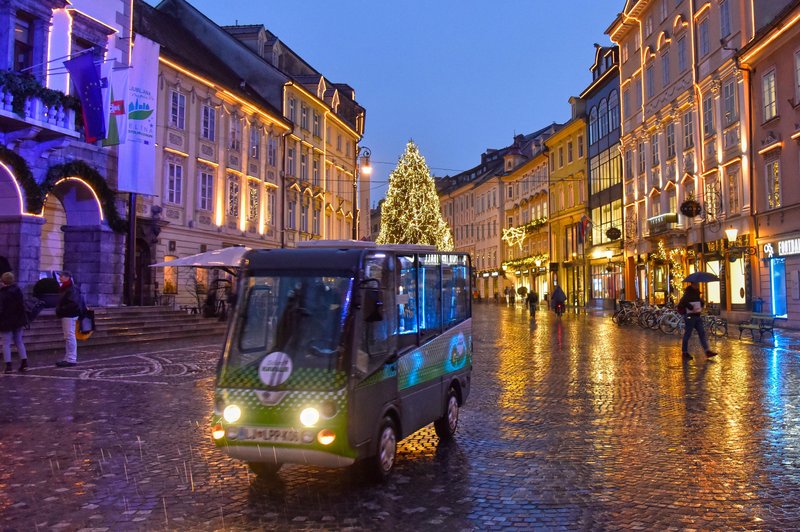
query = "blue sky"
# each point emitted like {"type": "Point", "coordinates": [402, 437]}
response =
{"type": "Point", "coordinates": [457, 76]}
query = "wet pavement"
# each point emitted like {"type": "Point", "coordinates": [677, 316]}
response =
{"type": "Point", "coordinates": [572, 424]}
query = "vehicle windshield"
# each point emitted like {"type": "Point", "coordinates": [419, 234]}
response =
{"type": "Point", "coordinates": [301, 316]}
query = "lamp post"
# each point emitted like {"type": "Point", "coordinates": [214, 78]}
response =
{"type": "Point", "coordinates": [362, 167]}
{"type": "Point", "coordinates": [734, 250]}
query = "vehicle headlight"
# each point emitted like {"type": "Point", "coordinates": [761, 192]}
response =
{"type": "Point", "coordinates": [232, 413]}
{"type": "Point", "coordinates": [217, 432]}
{"type": "Point", "coordinates": [326, 437]}
{"type": "Point", "coordinates": [309, 417]}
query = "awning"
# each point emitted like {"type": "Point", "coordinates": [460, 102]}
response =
{"type": "Point", "coordinates": [230, 257]}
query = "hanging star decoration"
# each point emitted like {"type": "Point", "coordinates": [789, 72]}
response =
{"type": "Point", "coordinates": [514, 236]}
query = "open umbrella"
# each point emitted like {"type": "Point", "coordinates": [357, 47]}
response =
{"type": "Point", "coordinates": [701, 277]}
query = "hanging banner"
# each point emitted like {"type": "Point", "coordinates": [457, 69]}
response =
{"type": "Point", "coordinates": [115, 92]}
{"type": "Point", "coordinates": [86, 79]}
{"type": "Point", "coordinates": [137, 155]}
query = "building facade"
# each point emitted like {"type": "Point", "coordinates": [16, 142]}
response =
{"type": "Point", "coordinates": [569, 221]}
{"type": "Point", "coordinates": [58, 208]}
{"type": "Point", "coordinates": [771, 64]}
{"type": "Point", "coordinates": [604, 247]}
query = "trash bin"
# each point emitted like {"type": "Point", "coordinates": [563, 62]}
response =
{"type": "Point", "coordinates": [758, 304]}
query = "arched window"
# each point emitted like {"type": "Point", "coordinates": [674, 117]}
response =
{"type": "Point", "coordinates": [593, 125]}
{"type": "Point", "coordinates": [602, 118]}
{"type": "Point", "coordinates": [613, 111]}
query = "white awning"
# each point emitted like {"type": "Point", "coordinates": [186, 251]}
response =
{"type": "Point", "coordinates": [229, 257]}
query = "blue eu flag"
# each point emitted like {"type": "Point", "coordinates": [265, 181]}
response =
{"type": "Point", "coordinates": [86, 80]}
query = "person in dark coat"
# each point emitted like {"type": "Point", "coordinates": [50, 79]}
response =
{"type": "Point", "coordinates": [558, 297]}
{"type": "Point", "coordinates": [68, 309]}
{"type": "Point", "coordinates": [13, 320]}
{"type": "Point", "coordinates": [532, 300]}
{"type": "Point", "coordinates": [691, 305]}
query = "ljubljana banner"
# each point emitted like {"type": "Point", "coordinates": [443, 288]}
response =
{"type": "Point", "coordinates": [115, 94]}
{"type": "Point", "coordinates": [137, 155]}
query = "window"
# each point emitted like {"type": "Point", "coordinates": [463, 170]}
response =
{"type": "Point", "coordinates": [510, 192]}
{"type": "Point", "coordinates": [552, 162]}
{"type": "Point", "coordinates": [303, 166]}
{"type": "Point", "coordinates": [290, 162]}
{"type": "Point", "coordinates": [602, 119]}
{"type": "Point", "coordinates": [235, 143]}
{"type": "Point", "coordinates": [664, 10]}
{"type": "Point", "coordinates": [292, 109]}
{"type": "Point", "coordinates": [304, 117]}
{"type": "Point", "coordinates": [688, 130]}
{"type": "Point", "coordinates": [560, 156]}
{"type": "Point", "coordinates": [725, 18]}
{"type": "Point", "coordinates": [315, 171]}
{"type": "Point", "coordinates": [580, 146]}
{"type": "Point", "coordinates": [670, 134]}
{"type": "Point", "coordinates": [773, 175]}
{"type": "Point", "coordinates": [291, 213]}
{"type": "Point", "coordinates": [626, 102]}
{"type": "Point", "coordinates": [628, 164]}
{"type": "Point", "coordinates": [768, 96]}
{"type": "Point", "coordinates": [272, 150]}
{"type": "Point", "coordinates": [304, 216]}
{"type": "Point", "coordinates": [613, 111]}
{"type": "Point", "coordinates": [638, 86]}
{"type": "Point", "coordinates": [625, 52]}
{"type": "Point", "coordinates": [729, 102]}
{"type": "Point", "coordinates": [641, 157]}
{"type": "Point", "coordinates": [682, 54]}
{"type": "Point", "coordinates": [569, 151]}
{"type": "Point", "coordinates": [733, 190]}
{"type": "Point", "coordinates": [651, 82]}
{"type": "Point", "coordinates": [271, 205]}
{"type": "Point", "coordinates": [648, 26]}
{"type": "Point", "coordinates": [23, 41]}
{"type": "Point", "coordinates": [592, 125]}
{"type": "Point", "coordinates": [654, 161]}
{"type": "Point", "coordinates": [338, 143]}
{"type": "Point", "coordinates": [177, 110]}
{"type": "Point", "coordinates": [253, 200]}
{"type": "Point", "coordinates": [206, 186]}
{"type": "Point", "coordinates": [708, 116]}
{"type": "Point", "coordinates": [665, 68]}
{"type": "Point", "coordinates": [174, 183]}
{"type": "Point", "coordinates": [797, 77]}
{"type": "Point", "coordinates": [255, 142]}
{"type": "Point", "coordinates": [316, 213]}
{"type": "Point", "coordinates": [703, 44]}
{"type": "Point", "coordinates": [208, 129]}
{"type": "Point", "coordinates": [233, 196]}
{"type": "Point", "coordinates": [636, 41]}
{"type": "Point", "coordinates": [316, 125]}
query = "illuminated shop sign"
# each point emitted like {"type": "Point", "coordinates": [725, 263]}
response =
{"type": "Point", "coordinates": [790, 246]}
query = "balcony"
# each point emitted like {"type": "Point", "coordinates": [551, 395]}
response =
{"type": "Point", "coordinates": [30, 111]}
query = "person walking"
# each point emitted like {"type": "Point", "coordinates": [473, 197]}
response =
{"type": "Point", "coordinates": [68, 309]}
{"type": "Point", "coordinates": [558, 299]}
{"type": "Point", "coordinates": [12, 320]}
{"type": "Point", "coordinates": [691, 305]}
{"type": "Point", "coordinates": [532, 300]}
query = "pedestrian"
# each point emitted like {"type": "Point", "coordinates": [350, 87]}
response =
{"type": "Point", "coordinates": [532, 300]}
{"type": "Point", "coordinates": [558, 299]}
{"type": "Point", "coordinates": [68, 309]}
{"type": "Point", "coordinates": [13, 319]}
{"type": "Point", "coordinates": [691, 305]}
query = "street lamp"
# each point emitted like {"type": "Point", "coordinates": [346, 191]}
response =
{"type": "Point", "coordinates": [734, 250]}
{"type": "Point", "coordinates": [362, 167]}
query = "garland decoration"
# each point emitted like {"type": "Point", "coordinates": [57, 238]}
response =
{"type": "Point", "coordinates": [34, 198]}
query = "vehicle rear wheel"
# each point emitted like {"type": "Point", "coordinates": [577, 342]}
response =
{"type": "Point", "coordinates": [380, 466]}
{"type": "Point", "coordinates": [446, 425]}
{"type": "Point", "coordinates": [264, 470]}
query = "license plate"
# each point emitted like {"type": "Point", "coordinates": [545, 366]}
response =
{"type": "Point", "coordinates": [272, 435]}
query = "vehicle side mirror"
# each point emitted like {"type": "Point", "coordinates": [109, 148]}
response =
{"type": "Point", "coordinates": [373, 305]}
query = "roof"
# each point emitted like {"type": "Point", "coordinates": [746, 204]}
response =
{"type": "Point", "coordinates": [181, 45]}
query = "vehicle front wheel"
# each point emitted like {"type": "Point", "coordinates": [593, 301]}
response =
{"type": "Point", "coordinates": [380, 466]}
{"type": "Point", "coordinates": [446, 425]}
{"type": "Point", "coordinates": [263, 470]}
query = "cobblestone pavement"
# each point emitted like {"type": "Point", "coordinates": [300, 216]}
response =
{"type": "Point", "coordinates": [572, 424]}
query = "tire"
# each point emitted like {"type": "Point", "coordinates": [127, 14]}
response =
{"type": "Point", "coordinates": [264, 470]}
{"type": "Point", "coordinates": [651, 320]}
{"type": "Point", "coordinates": [446, 425]}
{"type": "Point", "coordinates": [667, 324]}
{"type": "Point", "coordinates": [380, 466]}
{"type": "Point", "coordinates": [617, 317]}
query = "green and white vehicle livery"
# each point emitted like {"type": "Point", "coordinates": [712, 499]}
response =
{"type": "Point", "coordinates": [337, 350]}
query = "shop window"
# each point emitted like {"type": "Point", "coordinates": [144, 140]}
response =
{"type": "Point", "coordinates": [737, 278]}
{"type": "Point", "coordinates": [712, 289]}
{"type": "Point", "coordinates": [778, 269]}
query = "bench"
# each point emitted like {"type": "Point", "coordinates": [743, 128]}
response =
{"type": "Point", "coordinates": [758, 322]}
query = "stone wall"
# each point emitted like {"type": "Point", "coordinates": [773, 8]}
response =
{"type": "Point", "coordinates": [19, 240]}
{"type": "Point", "coordinates": [96, 257]}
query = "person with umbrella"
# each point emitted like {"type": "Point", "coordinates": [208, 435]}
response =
{"type": "Point", "coordinates": [691, 305]}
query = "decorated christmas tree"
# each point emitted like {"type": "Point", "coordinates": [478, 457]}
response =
{"type": "Point", "coordinates": [411, 212]}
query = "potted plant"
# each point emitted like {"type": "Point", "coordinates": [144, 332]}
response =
{"type": "Point", "coordinates": [47, 290]}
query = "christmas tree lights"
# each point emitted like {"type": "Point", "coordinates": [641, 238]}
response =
{"type": "Point", "coordinates": [411, 213]}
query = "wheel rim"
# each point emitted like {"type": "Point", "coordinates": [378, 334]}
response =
{"type": "Point", "coordinates": [452, 413]}
{"type": "Point", "coordinates": [388, 446]}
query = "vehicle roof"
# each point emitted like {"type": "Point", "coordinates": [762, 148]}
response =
{"type": "Point", "coordinates": [305, 259]}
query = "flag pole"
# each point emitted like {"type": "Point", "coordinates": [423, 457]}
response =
{"type": "Point", "coordinates": [130, 252]}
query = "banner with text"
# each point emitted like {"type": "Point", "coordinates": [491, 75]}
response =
{"type": "Point", "coordinates": [115, 93]}
{"type": "Point", "coordinates": [137, 155]}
